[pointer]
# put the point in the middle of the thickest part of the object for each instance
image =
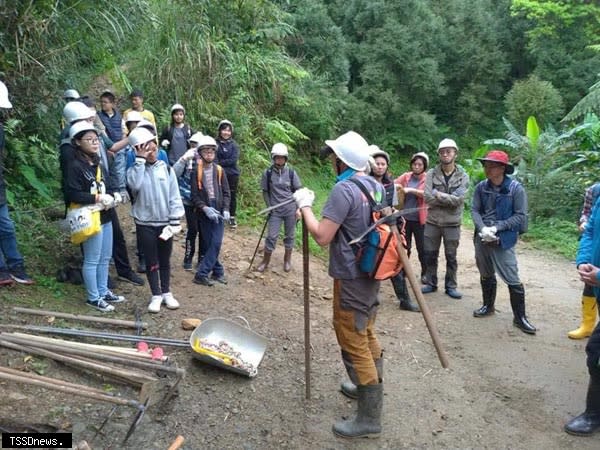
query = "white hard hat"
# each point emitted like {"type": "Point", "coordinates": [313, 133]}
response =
{"type": "Point", "coordinates": [375, 151]}
{"type": "Point", "coordinates": [71, 94]}
{"type": "Point", "coordinates": [224, 122]}
{"type": "Point", "coordinates": [279, 149]}
{"type": "Point", "coordinates": [420, 155]}
{"type": "Point", "coordinates": [76, 110]}
{"type": "Point", "coordinates": [195, 137]}
{"type": "Point", "coordinates": [177, 107]}
{"type": "Point", "coordinates": [145, 123]}
{"type": "Point", "coordinates": [352, 149]}
{"type": "Point", "coordinates": [133, 116]}
{"type": "Point", "coordinates": [140, 135]}
{"type": "Point", "coordinates": [4, 101]}
{"type": "Point", "coordinates": [81, 127]}
{"type": "Point", "coordinates": [447, 143]}
{"type": "Point", "coordinates": [206, 141]}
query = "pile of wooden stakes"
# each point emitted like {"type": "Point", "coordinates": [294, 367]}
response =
{"type": "Point", "coordinates": [124, 365]}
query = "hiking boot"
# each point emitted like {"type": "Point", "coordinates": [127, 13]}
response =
{"type": "Point", "coordinates": [232, 223]}
{"type": "Point", "coordinates": [203, 281]}
{"type": "Point", "coordinates": [169, 301]}
{"type": "Point", "coordinates": [100, 305]}
{"type": "Point", "coordinates": [155, 302]}
{"type": "Point", "coordinates": [6, 279]}
{"type": "Point", "coordinates": [132, 278]}
{"type": "Point", "coordinates": [20, 276]}
{"type": "Point", "coordinates": [109, 297]}
{"type": "Point", "coordinates": [220, 279]}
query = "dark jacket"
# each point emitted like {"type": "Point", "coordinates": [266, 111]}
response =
{"type": "Point", "coordinates": [227, 156]}
{"type": "Point", "coordinates": [199, 194]}
{"type": "Point", "coordinates": [504, 207]}
{"type": "Point", "coordinates": [80, 185]}
{"type": "Point", "coordinates": [114, 125]}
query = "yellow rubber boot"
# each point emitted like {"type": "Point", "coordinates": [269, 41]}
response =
{"type": "Point", "coordinates": [588, 320]}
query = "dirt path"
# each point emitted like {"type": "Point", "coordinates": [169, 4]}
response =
{"type": "Point", "coordinates": [504, 389]}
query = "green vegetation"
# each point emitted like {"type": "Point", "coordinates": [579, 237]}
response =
{"type": "Point", "coordinates": [302, 72]}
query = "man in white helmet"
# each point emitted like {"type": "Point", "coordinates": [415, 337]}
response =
{"type": "Point", "coordinates": [278, 184]}
{"type": "Point", "coordinates": [445, 188]}
{"type": "Point", "coordinates": [347, 213]}
{"type": "Point", "coordinates": [12, 265]}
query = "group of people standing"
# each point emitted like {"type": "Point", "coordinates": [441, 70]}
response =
{"type": "Point", "coordinates": [108, 159]}
{"type": "Point", "coordinates": [433, 203]}
{"type": "Point", "coordinates": [111, 161]}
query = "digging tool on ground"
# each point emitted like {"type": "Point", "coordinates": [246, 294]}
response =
{"type": "Point", "coordinates": [134, 378]}
{"type": "Point", "coordinates": [306, 288]}
{"type": "Point", "coordinates": [419, 296]}
{"type": "Point", "coordinates": [76, 389]}
{"type": "Point", "coordinates": [111, 336]}
{"type": "Point", "coordinates": [94, 349]}
{"type": "Point", "coordinates": [262, 233]}
{"type": "Point", "coordinates": [56, 345]}
{"type": "Point", "coordinates": [43, 312]}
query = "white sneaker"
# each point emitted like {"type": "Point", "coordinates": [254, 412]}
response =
{"type": "Point", "coordinates": [170, 301]}
{"type": "Point", "coordinates": [155, 303]}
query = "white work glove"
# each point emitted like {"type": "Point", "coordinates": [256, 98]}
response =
{"type": "Point", "coordinates": [106, 200]}
{"type": "Point", "coordinates": [226, 216]}
{"type": "Point", "coordinates": [189, 155]}
{"type": "Point", "coordinates": [488, 234]}
{"type": "Point", "coordinates": [118, 198]}
{"type": "Point", "coordinates": [212, 213]}
{"type": "Point", "coordinates": [175, 229]}
{"type": "Point", "coordinates": [167, 233]}
{"type": "Point", "coordinates": [125, 196]}
{"type": "Point", "coordinates": [304, 197]}
{"type": "Point", "coordinates": [165, 143]}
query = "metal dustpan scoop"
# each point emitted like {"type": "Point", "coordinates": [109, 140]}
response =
{"type": "Point", "coordinates": [213, 338]}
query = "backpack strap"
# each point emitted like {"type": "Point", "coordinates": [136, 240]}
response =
{"type": "Point", "coordinates": [365, 191]}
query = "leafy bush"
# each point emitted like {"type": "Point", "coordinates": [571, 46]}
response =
{"type": "Point", "coordinates": [534, 97]}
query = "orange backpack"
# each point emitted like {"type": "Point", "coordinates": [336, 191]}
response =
{"type": "Point", "coordinates": [377, 253]}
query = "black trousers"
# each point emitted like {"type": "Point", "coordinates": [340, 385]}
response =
{"type": "Point", "coordinates": [158, 258]}
{"type": "Point", "coordinates": [233, 185]}
{"type": "Point", "coordinates": [414, 228]}
{"type": "Point", "coordinates": [119, 250]}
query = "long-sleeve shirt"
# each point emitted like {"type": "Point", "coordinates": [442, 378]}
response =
{"type": "Point", "coordinates": [156, 193]}
{"type": "Point", "coordinates": [445, 197]}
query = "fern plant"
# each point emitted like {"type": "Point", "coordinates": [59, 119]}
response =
{"type": "Point", "coordinates": [31, 168]}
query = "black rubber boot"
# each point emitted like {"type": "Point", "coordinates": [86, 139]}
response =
{"type": "Point", "coordinates": [401, 290]}
{"type": "Point", "coordinates": [488, 289]}
{"type": "Point", "coordinates": [588, 422]}
{"type": "Point", "coordinates": [188, 257]}
{"type": "Point", "coordinates": [517, 301]}
{"type": "Point", "coordinates": [348, 387]}
{"type": "Point", "coordinates": [367, 421]}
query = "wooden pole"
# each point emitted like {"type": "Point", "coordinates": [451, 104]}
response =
{"type": "Point", "coordinates": [108, 321]}
{"type": "Point", "coordinates": [408, 271]}
{"type": "Point", "coordinates": [306, 285]}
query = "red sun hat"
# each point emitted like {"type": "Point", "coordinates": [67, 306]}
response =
{"type": "Point", "coordinates": [498, 156]}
